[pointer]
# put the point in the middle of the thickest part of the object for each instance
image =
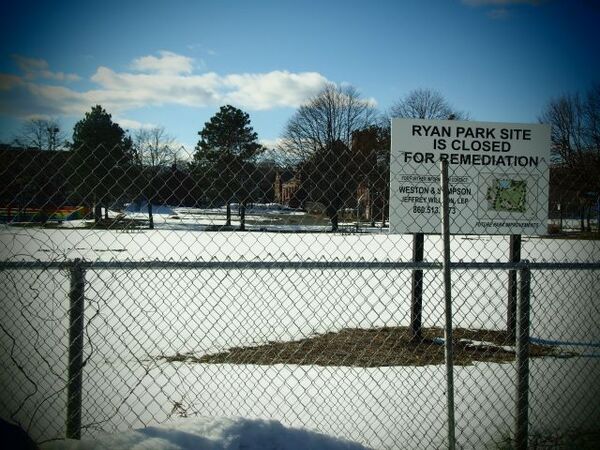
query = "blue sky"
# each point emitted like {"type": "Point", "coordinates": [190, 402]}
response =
{"type": "Point", "coordinates": [173, 63]}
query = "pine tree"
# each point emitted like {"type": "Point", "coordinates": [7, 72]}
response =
{"type": "Point", "coordinates": [100, 152]}
{"type": "Point", "coordinates": [223, 157]}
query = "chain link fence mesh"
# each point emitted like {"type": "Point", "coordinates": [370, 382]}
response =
{"type": "Point", "coordinates": [329, 348]}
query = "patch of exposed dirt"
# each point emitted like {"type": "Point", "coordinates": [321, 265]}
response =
{"type": "Point", "coordinates": [376, 347]}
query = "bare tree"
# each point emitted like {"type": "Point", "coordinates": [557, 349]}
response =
{"type": "Point", "coordinates": [319, 138]}
{"type": "Point", "coordinates": [154, 150]}
{"type": "Point", "coordinates": [575, 122]}
{"type": "Point", "coordinates": [330, 116]}
{"type": "Point", "coordinates": [426, 104]}
{"type": "Point", "coordinates": [42, 134]}
{"type": "Point", "coordinates": [154, 147]}
{"type": "Point", "coordinates": [592, 115]}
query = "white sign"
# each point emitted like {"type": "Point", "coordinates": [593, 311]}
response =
{"type": "Point", "coordinates": [498, 176]}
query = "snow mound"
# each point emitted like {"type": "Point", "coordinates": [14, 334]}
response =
{"type": "Point", "coordinates": [211, 434]}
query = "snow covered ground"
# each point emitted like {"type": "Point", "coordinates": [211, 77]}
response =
{"type": "Point", "coordinates": [267, 216]}
{"type": "Point", "coordinates": [133, 318]}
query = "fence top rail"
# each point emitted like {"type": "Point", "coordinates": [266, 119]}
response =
{"type": "Point", "coordinates": [295, 265]}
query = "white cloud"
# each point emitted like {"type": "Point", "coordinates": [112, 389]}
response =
{"type": "Point", "coordinates": [130, 124]}
{"type": "Point", "coordinates": [271, 143]}
{"type": "Point", "coordinates": [272, 89]}
{"type": "Point", "coordinates": [60, 76]}
{"type": "Point", "coordinates": [371, 101]}
{"type": "Point", "coordinates": [38, 68]}
{"type": "Point", "coordinates": [8, 82]}
{"type": "Point", "coordinates": [156, 81]}
{"type": "Point", "coordinates": [166, 63]}
{"type": "Point", "coordinates": [30, 64]}
{"type": "Point", "coordinates": [128, 90]}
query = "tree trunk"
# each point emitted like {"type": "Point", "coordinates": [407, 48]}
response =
{"type": "Point", "coordinates": [228, 220]}
{"type": "Point", "coordinates": [97, 213]}
{"type": "Point", "coordinates": [334, 222]}
{"type": "Point", "coordinates": [560, 215]}
{"type": "Point", "coordinates": [150, 217]}
{"type": "Point", "coordinates": [589, 218]}
{"type": "Point", "coordinates": [243, 216]}
{"type": "Point", "coordinates": [598, 215]}
{"type": "Point", "coordinates": [372, 211]}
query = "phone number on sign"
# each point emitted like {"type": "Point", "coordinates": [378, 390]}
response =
{"type": "Point", "coordinates": [431, 209]}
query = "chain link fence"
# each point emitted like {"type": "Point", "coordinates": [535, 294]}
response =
{"type": "Point", "coordinates": [276, 291]}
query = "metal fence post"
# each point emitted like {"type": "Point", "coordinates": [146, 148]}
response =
{"type": "Point", "coordinates": [511, 306]}
{"type": "Point", "coordinates": [74, 386]}
{"type": "Point", "coordinates": [522, 356]}
{"type": "Point", "coordinates": [448, 351]}
{"type": "Point", "coordinates": [416, 304]}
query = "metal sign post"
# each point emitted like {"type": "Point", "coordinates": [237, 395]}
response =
{"type": "Point", "coordinates": [448, 305]}
{"type": "Point", "coordinates": [511, 310]}
{"type": "Point", "coordinates": [522, 360]}
{"type": "Point", "coordinates": [416, 304]}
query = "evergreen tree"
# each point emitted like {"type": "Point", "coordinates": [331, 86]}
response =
{"type": "Point", "coordinates": [222, 160]}
{"type": "Point", "coordinates": [101, 152]}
